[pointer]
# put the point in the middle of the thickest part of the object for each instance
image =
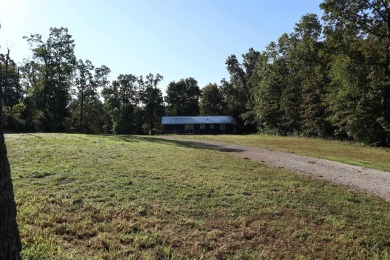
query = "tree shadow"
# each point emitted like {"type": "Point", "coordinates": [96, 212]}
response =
{"type": "Point", "coordinates": [126, 138]}
{"type": "Point", "coordinates": [34, 135]}
{"type": "Point", "coordinates": [188, 144]}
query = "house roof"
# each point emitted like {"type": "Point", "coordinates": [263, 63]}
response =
{"type": "Point", "coordinates": [180, 120]}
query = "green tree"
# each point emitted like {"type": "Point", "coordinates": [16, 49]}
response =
{"type": "Point", "coordinates": [231, 103]}
{"type": "Point", "coordinates": [244, 81]}
{"type": "Point", "coordinates": [13, 95]}
{"type": "Point", "coordinates": [291, 97]}
{"type": "Point", "coordinates": [268, 95]}
{"type": "Point", "coordinates": [12, 91]}
{"type": "Point", "coordinates": [355, 102]}
{"type": "Point", "coordinates": [51, 71]}
{"type": "Point", "coordinates": [121, 101]}
{"type": "Point", "coordinates": [291, 93]}
{"type": "Point", "coordinates": [85, 87]}
{"type": "Point", "coordinates": [309, 59]}
{"type": "Point", "coordinates": [182, 97]}
{"type": "Point", "coordinates": [212, 102]}
{"type": "Point", "coordinates": [96, 120]}
{"type": "Point", "coordinates": [87, 80]}
{"type": "Point", "coordinates": [152, 100]}
{"type": "Point", "coordinates": [358, 34]}
{"type": "Point", "coordinates": [278, 92]}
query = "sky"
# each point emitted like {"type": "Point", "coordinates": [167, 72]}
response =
{"type": "Point", "coordinates": [175, 38]}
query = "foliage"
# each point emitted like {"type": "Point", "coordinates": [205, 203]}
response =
{"type": "Point", "coordinates": [243, 81]}
{"type": "Point", "coordinates": [87, 111]}
{"type": "Point", "coordinates": [135, 105]}
{"type": "Point", "coordinates": [293, 83]}
{"type": "Point", "coordinates": [121, 99]}
{"type": "Point", "coordinates": [212, 102]}
{"type": "Point", "coordinates": [152, 101]}
{"type": "Point", "coordinates": [359, 33]}
{"type": "Point", "coordinates": [182, 98]}
{"type": "Point", "coordinates": [12, 94]}
{"type": "Point", "coordinates": [48, 76]}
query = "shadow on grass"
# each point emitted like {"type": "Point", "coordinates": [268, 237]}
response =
{"type": "Point", "coordinates": [34, 135]}
{"type": "Point", "coordinates": [126, 138]}
{"type": "Point", "coordinates": [187, 144]}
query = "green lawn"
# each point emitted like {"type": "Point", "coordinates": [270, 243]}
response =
{"type": "Point", "coordinates": [118, 197]}
{"type": "Point", "coordinates": [346, 152]}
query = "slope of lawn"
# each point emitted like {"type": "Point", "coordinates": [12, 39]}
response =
{"type": "Point", "coordinates": [346, 152]}
{"type": "Point", "coordinates": [127, 197]}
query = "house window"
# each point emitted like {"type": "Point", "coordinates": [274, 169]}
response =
{"type": "Point", "coordinates": [202, 126]}
{"type": "Point", "coordinates": [211, 126]}
{"type": "Point", "coordinates": [189, 129]}
{"type": "Point", "coordinates": [222, 127]}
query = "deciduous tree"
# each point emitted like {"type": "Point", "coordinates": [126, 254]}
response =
{"type": "Point", "coordinates": [121, 99]}
{"type": "Point", "coordinates": [244, 81]}
{"type": "Point", "coordinates": [87, 81]}
{"type": "Point", "coordinates": [51, 71]}
{"type": "Point", "coordinates": [358, 35]}
{"type": "Point", "coordinates": [152, 100]}
{"type": "Point", "coordinates": [212, 102]}
{"type": "Point", "coordinates": [183, 98]}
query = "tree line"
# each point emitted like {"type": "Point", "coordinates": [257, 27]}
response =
{"type": "Point", "coordinates": [328, 78]}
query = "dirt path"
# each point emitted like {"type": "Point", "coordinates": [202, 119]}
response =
{"type": "Point", "coordinates": [372, 181]}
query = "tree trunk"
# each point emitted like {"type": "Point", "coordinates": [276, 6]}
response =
{"type": "Point", "coordinates": [10, 244]}
{"type": "Point", "coordinates": [81, 112]}
{"type": "Point", "coordinates": [151, 118]}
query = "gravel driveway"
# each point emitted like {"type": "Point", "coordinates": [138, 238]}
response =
{"type": "Point", "coordinates": [371, 181]}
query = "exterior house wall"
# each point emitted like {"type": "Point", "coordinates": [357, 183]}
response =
{"type": "Point", "coordinates": [181, 129]}
{"type": "Point", "coordinates": [174, 129]}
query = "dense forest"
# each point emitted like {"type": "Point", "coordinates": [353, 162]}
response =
{"type": "Point", "coordinates": [329, 78]}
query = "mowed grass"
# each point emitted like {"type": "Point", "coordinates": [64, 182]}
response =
{"type": "Point", "coordinates": [132, 197]}
{"type": "Point", "coordinates": [345, 152]}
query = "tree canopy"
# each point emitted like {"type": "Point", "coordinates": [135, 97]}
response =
{"type": "Point", "coordinates": [182, 98]}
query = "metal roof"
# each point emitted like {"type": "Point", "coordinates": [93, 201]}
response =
{"type": "Point", "coordinates": [180, 120]}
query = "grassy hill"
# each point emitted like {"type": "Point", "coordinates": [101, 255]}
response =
{"type": "Point", "coordinates": [118, 197]}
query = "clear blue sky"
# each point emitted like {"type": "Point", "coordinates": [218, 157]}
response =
{"type": "Point", "coordinates": [176, 38]}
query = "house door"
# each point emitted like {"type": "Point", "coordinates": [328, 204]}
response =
{"type": "Point", "coordinates": [189, 129]}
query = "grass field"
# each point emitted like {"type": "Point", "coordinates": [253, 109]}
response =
{"type": "Point", "coordinates": [346, 152]}
{"type": "Point", "coordinates": [118, 197]}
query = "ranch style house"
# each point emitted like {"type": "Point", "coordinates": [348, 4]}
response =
{"type": "Point", "coordinates": [198, 124]}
